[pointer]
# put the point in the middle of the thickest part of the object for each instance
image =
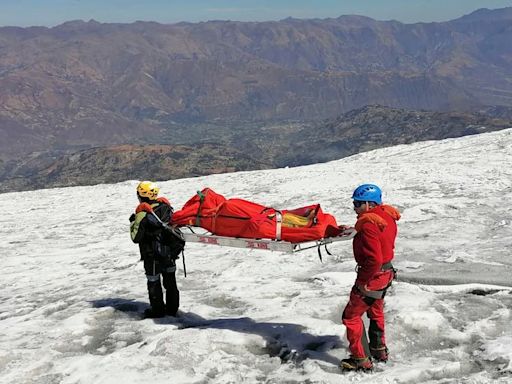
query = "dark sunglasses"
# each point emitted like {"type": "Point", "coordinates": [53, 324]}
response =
{"type": "Point", "coordinates": [357, 203]}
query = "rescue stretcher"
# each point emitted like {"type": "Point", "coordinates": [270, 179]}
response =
{"type": "Point", "coordinates": [190, 235]}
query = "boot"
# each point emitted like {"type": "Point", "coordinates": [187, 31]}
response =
{"type": "Point", "coordinates": [380, 354]}
{"type": "Point", "coordinates": [152, 313]}
{"type": "Point", "coordinates": [156, 301]}
{"type": "Point", "coordinates": [377, 348]}
{"type": "Point", "coordinates": [356, 364]}
{"type": "Point", "coordinates": [172, 302]}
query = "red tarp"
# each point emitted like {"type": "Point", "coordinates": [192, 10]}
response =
{"type": "Point", "coordinates": [242, 218]}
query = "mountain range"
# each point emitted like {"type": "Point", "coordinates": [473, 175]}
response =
{"type": "Point", "coordinates": [82, 85]}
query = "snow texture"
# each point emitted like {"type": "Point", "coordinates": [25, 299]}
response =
{"type": "Point", "coordinates": [72, 288]}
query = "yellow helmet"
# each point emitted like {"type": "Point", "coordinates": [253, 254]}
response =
{"type": "Point", "coordinates": [148, 189]}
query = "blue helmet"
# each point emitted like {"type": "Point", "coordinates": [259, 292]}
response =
{"type": "Point", "coordinates": [368, 192]}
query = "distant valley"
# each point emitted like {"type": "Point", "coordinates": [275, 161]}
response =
{"type": "Point", "coordinates": [229, 149]}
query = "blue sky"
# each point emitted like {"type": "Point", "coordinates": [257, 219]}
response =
{"type": "Point", "coordinates": [53, 12]}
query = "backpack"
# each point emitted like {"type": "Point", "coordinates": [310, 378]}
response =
{"type": "Point", "coordinates": [171, 242]}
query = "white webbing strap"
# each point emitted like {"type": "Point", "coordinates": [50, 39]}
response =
{"type": "Point", "coordinates": [279, 220]}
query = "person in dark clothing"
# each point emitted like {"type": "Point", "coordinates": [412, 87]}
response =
{"type": "Point", "coordinates": [147, 231]}
{"type": "Point", "coordinates": [373, 248]}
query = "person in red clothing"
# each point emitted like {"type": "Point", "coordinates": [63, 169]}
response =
{"type": "Point", "coordinates": [373, 248]}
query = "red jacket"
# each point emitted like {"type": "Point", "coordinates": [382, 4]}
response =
{"type": "Point", "coordinates": [374, 245]}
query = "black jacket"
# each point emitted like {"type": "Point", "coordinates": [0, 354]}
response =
{"type": "Point", "coordinates": [146, 230]}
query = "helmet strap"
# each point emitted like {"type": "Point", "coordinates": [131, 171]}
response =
{"type": "Point", "coordinates": [143, 199]}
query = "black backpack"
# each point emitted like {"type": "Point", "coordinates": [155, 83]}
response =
{"type": "Point", "coordinates": [171, 242]}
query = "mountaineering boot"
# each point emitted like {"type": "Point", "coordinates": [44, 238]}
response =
{"type": "Point", "coordinates": [380, 354]}
{"type": "Point", "coordinates": [377, 345]}
{"type": "Point", "coordinates": [156, 301]}
{"type": "Point", "coordinates": [356, 364]}
{"type": "Point", "coordinates": [152, 313]}
{"type": "Point", "coordinates": [172, 302]}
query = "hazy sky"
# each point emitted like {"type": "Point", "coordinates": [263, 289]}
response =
{"type": "Point", "coordinates": [53, 12]}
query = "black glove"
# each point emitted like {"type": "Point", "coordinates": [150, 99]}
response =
{"type": "Point", "coordinates": [132, 217]}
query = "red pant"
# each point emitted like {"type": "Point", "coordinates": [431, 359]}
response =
{"type": "Point", "coordinates": [352, 319]}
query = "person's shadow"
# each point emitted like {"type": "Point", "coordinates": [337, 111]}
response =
{"type": "Point", "coordinates": [285, 340]}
